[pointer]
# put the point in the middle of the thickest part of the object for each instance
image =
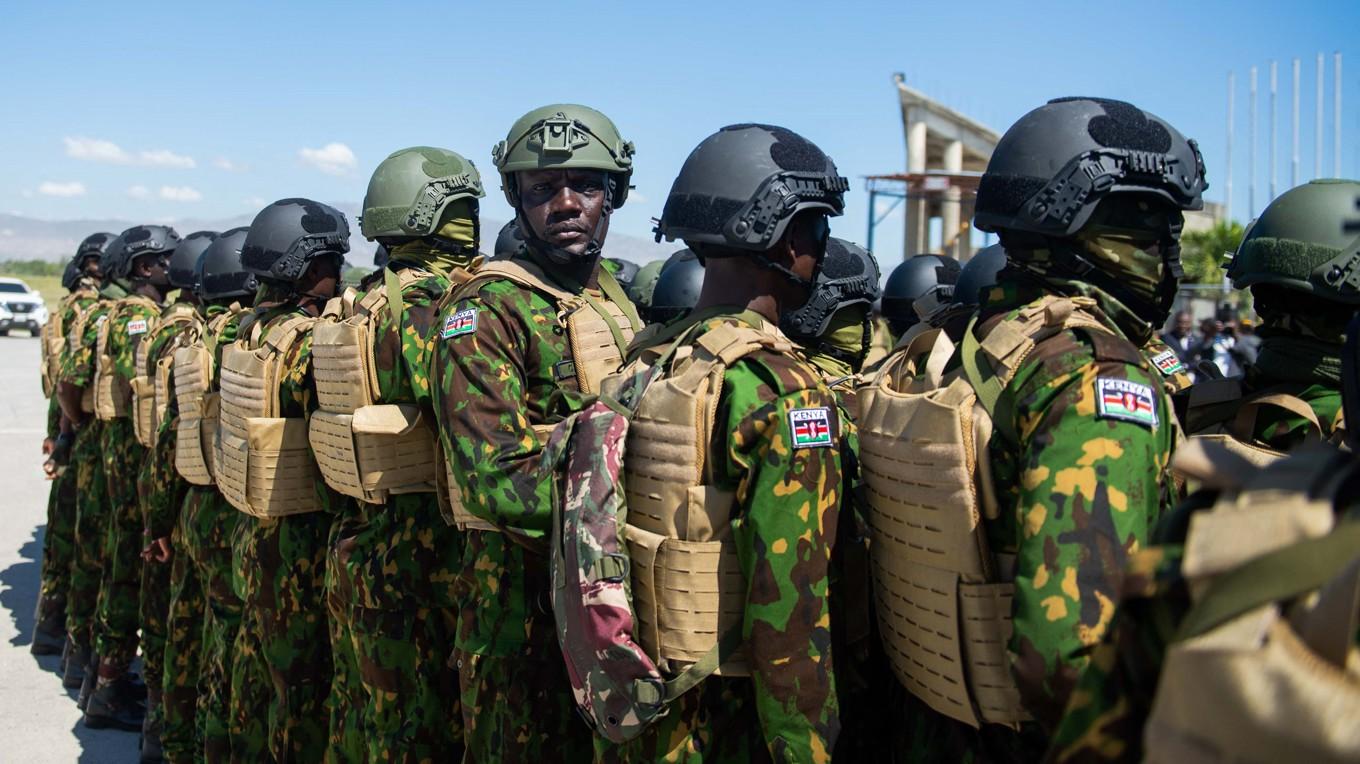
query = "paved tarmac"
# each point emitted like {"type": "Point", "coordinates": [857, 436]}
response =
{"type": "Point", "coordinates": [39, 721]}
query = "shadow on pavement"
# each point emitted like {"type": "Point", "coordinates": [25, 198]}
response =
{"type": "Point", "coordinates": [23, 581]}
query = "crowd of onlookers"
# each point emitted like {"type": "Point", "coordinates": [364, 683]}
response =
{"type": "Point", "coordinates": [1225, 340]}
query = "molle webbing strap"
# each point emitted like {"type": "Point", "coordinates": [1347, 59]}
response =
{"type": "Point", "coordinates": [1243, 425]}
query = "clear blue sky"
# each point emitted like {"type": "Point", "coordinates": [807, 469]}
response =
{"type": "Point", "coordinates": [241, 88]}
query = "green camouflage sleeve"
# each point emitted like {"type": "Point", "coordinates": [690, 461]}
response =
{"type": "Point", "coordinates": [1112, 700]}
{"type": "Point", "coordinates": [403, 360]}
{"type": "Point", "coordinates": [53, 417]}
{"type": "Point", "coordinates": [788, 494]}
{"type": "Point", "coordinates": [1087, 482]}
{"type": "Point", "coordinates": [160, 488]}
{"type": "Point", "coordinates": [130, 327]}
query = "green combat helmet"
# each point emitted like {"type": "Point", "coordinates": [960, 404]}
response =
{"type": "Point", "coordinates": [640, 291]}
{"type": "Point", "coordinates": [1307, 240]}
{"type": "Point", "coordinates": [564, 137]}
{"type": "Point", "coordinates": [411, 188]}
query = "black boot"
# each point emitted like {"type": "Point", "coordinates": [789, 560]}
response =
{"type": "Point", "coordinates": [151, 731]}
{"type": "Point", "coordinates": [76, 663]}
{"type": "Point", "coordinates": [88, 682]}
{"type": "Point", "coordinates": [50, 630]}
{"type": "Point", "coordinates": [65, 655]}
{"type": "Point", "coordinates": [113, 706]}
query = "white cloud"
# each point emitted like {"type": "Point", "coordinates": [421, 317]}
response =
{"type": "Point", "coordinates": [332, 159]}
{"type": "Point", "coordinates": [180, 193]}
{"type": "Point", "coordinates": [6, 231]}
{"type": "Point", "coordinates": [254, 202]}
{"type": "Point", "coordinates": [167, 158]}
{"type": "Point", "coordinates": [53, 188]}
{"type": "Point", "coordinates": [138, 192]}
{"type": "Point", "coordinates": [222, 163]}
{"type": "Point", "coordinates": [108, 152]}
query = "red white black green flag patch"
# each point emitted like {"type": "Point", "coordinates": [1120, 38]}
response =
{"type": "Point", "coordinates": [811, 427]}
{"type": "Point", "coordinates": [1126, 401]}
{"type": "Point", "coordinates": [460, 323]}
{"type": "Point", "coordinates": [137, 326]}
{"type": "Point", "coordinates": [1168, 363]}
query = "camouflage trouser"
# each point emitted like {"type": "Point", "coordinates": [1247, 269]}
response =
{"type": "Point", "coordinates": [280, 568]}
{"type": "Point", "coordinates": [116, 626]}
{"type": "Point", "coordinates": [59, 543]}
{"type": "Point", "coordinates": [411, 711]}
{"type": "Point", "coordinates": [205, 615]}
{"type": "Point", "coordinates": [520, 707]}
{"type": "Point", "coordinates": [157, 483]}
{"type": "Point", "coordinates": [251, 697]}
{"type": "Point", "coordinates": [348, 738]}
{"type": "Point", "coordinates": [715, 722]}
{"type": "Point", "coordinates": [87, 564]}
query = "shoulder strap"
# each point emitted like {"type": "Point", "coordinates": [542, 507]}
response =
{"type": "Point", "coordinates": [522, 272]}
{"type": "Point", "coordinates": [1243, 425]}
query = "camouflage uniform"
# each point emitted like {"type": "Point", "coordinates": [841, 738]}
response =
{"type": "Point", "coordinates": [282, 667]}
{"type": "Point", "coordinates": [399, 562]}
{"type": "Point", "coordinates": [490, 386]}
{"type": "Point", "coordinates": [1086, 491]}
{"type": "Point", "coordinates": [92, 507]}
{"type": "Point", "coordinates": [787, 710]}
{"type": "Point", "coordinates": [116, 628]}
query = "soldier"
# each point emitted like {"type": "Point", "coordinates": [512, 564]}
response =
{"type": "Point", "coordinates": [508, 241]}
{"type": "Point", "coordinates": [644, 283]}
{"type": "Point", "coordinates": [394, 560]}
{"type": "Point", "coordinates": [264, 466]}
{"type": "Point", "coordinates": [75, 392]}
{"type": "Point", "coordinates": [912, 280]}
{"type": "Point", "coordinates": [520, 346]}
{"type": "Point", "coordinates": [1295, 259]}
{"type": "Point", "coordinates": [624, 271]}
{"type": "Point", "coordinates": [996, 567]}
{"type": "Point", "coordinates": [81, 279]}
{"type": "Point", "coordinates": [1231, 638]}
{"type": "Point", "coordinates": [677, 288]}
{"type": "Point", "coordinates": [142, 267]}
{"type": "Point", "coordinates": [765, 501]}
{"type": "Point", "coordinates": [835, 330]}
{"type": "Point", "coordinates": [159, 488]}
{"type": "Point", "coordinates": [205, 612]}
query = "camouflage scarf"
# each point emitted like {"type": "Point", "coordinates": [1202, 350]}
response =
{"type": "Point", "coordinates": [1115, 314]}
{"type": "Point", "coordinates": [842, 341]}
{"type": "Point", "coordinates": [113, 290]}
{"type": "Point", "coordinates": [1300, 348]}
{"type": "Point", "coordinates": [1122, 256]}
{"type": "Point", "coordinates": [458, 227]}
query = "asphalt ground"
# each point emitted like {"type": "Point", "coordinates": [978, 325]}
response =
{"type": "Point", "coordinates": [39, 721]}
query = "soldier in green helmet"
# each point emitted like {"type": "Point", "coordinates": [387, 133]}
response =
{"type": "Point", "coordinates": [394, 561]}
{"type": "Point", "coordinates": [1298, 260]}
{"type": "Point", "coordinates": [518, 348]}
{"type": "Point", "coordinates": [640, 291]}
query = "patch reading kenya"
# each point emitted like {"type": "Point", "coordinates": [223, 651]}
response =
{"type": "Point", "coordinates": [136, 327]}
{"type": "Point", "coordinates": [1126, 401]}
{"type": "Point", "coordinates": [460, 323]}
{"type": "Point", "coordinates": [811, 427]}
{"type": "Point", "coordinates": [1168, 363]}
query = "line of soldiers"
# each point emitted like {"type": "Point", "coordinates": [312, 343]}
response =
{"type": "Point", "coordinates": [480, 508]}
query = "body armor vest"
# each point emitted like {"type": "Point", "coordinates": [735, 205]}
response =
{"type": "Point", "coordinates": [687, 585]}
{"type": "Point", "coordinates": [363, 449]}
{"type": "Point", "coordinates": [112, 393]}
{"type": "Point", "coordinates": [1263, 667]}
{"type": "Point", "coordinates": [943, 601]}
{"type": "Point", "coordinates": [598, 332]}
{"type": "Point", "coordinates": [150, 387]}
{"type": "Point", "coordinates": [75, 338]}
{"type": "Point", "coordinates": [196, 432]}
{"type": "Point", "coordinates": [54, 340]}
{"type": "Point", "coordinates": [263, 466]}
{"type": "Point", "coordinates": [1219, 411]}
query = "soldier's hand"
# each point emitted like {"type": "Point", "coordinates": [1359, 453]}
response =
{"type": "Point", "coordinates": [50, 469]}
{"type": "Point", "coordinates": [160, 549]}
{"type": "Point", "coordinates": [48, 445]}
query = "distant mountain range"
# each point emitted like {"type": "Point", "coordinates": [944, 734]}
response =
{"type": "Point", "coordinates": [25, 238]}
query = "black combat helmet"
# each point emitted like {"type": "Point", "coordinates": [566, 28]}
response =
{"type": "Point", "coordinates": [219, 273]}
{"type": "Point", "coordinates": [70, 276]}
{"type": "Point", "coordinates": [290, 233]}
{"type": "Point", "coordinates": [381, 256]}
{"type": "Point", "coordinates": [508, 241]}
{"type": "Point", "coordinates": [910, 281]}
{"type": "Point", "coordinates": [849, 276]}
{"type": "Point", "coordinates": [741, 186]}
{"type": "Point", "coordinates": [139, 241]}
{"type": "Point", "coordinates": [93, 246]}
{"type": "Point", "coordinates": [185, 259]}
{"type": "Point", "coordinates": [624, 271]}
{"type": "Point", "coordinates": [677, 288]}
{"type": "Point", "coordinates": [979, 273]}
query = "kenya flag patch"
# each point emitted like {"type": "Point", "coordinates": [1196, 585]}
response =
{"type": "Point", "coordinates": [811, 427]}
{"type": "Point", "coordinates": [460, 323]}
{"type": "Point", "coordinates": [1168, 363]}
{"type": "Point", "coordinates": [1126, 401]}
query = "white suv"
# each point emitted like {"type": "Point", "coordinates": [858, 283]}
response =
{"type": "Point", "coordinates": [20, 307]}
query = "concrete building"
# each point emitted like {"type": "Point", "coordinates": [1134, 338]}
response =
{"type": "Point", "coordinates": [946, 154]}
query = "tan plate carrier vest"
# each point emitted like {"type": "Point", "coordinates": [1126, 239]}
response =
{"type": "Point", "coordinates": [1237, 432]}
{"type": "Point", "coordinates": [75, 338]}
{"type": "Point", "coordinates": [264, 466]}
{"type": "Point", "coordinates": [112, 393]}
{"type": "Point", "coordinates": [688, 588]}
{"type": "Point", "coordinates": [198, 402]}
{"type": "Point", "coordinates": [598, 333]}
{"type": "Point", "coordinates": [1247, 679]}
{"type": "Point", "coordinates": [363, 449]}
{"type": "Point", "coordinates": [151, 386]}
{"type": "Point", "coordinates": [53, 339]}
{"type": "Point", "coordinates": [943, 598]}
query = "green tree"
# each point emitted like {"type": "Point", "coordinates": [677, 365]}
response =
{"type": "Point", "coordinates": [1203, 252]}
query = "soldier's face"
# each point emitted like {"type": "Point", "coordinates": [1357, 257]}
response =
{"type": "Point", "coordinates": [321, 277]}
{"type": "Point", "coordinates": [153, 269]}
{"type": "Point", "coordinates": [90, 267]}
{"type": "Point", "coordinates": [565, 208]}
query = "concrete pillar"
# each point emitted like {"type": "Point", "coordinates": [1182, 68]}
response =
{"type": "Point", "coordinates": [951, 209]}
{"type": "Point", "coordinates": [966, 238]}
{"type": "Point", "coordinates": [918, 227]}
{"type": "Point", "coordinates": [916, 142]}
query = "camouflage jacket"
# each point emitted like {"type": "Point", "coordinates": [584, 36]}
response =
{"type": "Point", "coordinates": [402, 554]}
{"type": "Point", "coordinates": [1281, 430]}
{"type": "Point", "coordinates": [491, 386]}
{"type": "Point", "coordinates": [131, 319]}
{"type": "Point", "coordinates": [77, 368]}
{"type": "Point", "coordinates": [1085, 482]}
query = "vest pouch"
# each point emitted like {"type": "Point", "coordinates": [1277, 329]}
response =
{"type": "Point", "coordinates": [342, 364]}
{"type": "Point", "coordinates": [396, 449]}
{"type": "Point", "coordinates": [143, 411]}
{"type": "Point", "coordinates": [593, 349]}
{"type": "Point", "coordinates": [193, 442]}
{"type": "Point", "coordinates": [280, 473]}
{"type": "Point", "coordinates": [161, 390]}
